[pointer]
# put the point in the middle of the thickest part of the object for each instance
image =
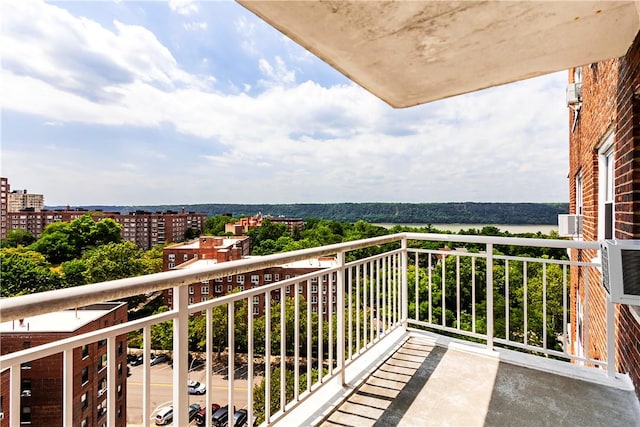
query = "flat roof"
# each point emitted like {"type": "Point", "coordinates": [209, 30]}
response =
{"type": "Point", "coordinates": [60, 321]}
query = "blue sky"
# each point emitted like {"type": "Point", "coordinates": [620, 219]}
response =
{"type": "Point", "coordinates": [135, 103]}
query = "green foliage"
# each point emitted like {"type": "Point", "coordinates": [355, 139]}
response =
{"type": "Point", "coordinates": [25, 271]}
{"type": "Point", "coordinates": [114, 261]}
{"type": "Point", "coordinates": [398, 213]}
{"type": "Point", "coordinates": [64, 241]}
{"type": "Point", "coordinates": [18, 237]}
{"type": "Point", "coordinates": [74, 272]}
{"type": "Point", "coordinates": [214, 225]}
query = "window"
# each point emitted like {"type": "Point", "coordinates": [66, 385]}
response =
{"type": "Point", "coordinates": [241, 287]}
{"type": "Point", "coordinates": [190, 290]}
{"type": "Point", "coordinates": [203, 299]}
{"type": "Point", "coordinates": [204, 282]}
{"type": "Point", "coordinates": [314, 309]}
{"type": "Point", "coordinates": [85, 375]}
{"type": "Point", "coordinates": [25, 387]}
{"type": "Point", "coordinates": [84, 400]}
{"type": "Point", "coordinates": [172, 265]}
{"type": "Point", "coordinates": [240, 278]}
{"type": "Point", "coordinates": [120, 390]}
{"type": "Point", "coordinates": [101, 408]}
{"type": "Point", "coordinates": [229, 278]}
{"type": "Point", "coordinates": [324, 298]}
{"type": "Point", "coordinates": [119, 369]}
{"type": "Point", "coordinates": [84, 423]}
{"type": "Point", "coordinates": [256, 310]}
{"type": "Point", "coordinates": [218, 289]}
{"type": "Point", "coordinates": [218, 279]}
{"type": "Point", "coordinates": [606, 187]}
{"type": "Point", "coordinates": [102, 343]}
{"type": "Point", "coordinates": [314, 299]}
{"type": "Point", "coordinates": [204, 290]}
{"type": "Point", "coordinates": [25, 415]}
{"type": "Point", "coordinates": [102, 387]}
{"type": "Point", "coordinates": [255, 278]}
{"type": "Point", "coordinates": [120, 348]}
{"type": "Point", "coordinates": [287, 276]}
{"type": "Point", "coordinates": [229, 288]}
{"type": "Point", "coordinates": [324, 289]}
{"type": "Point", "coordinates": [300, 289]}
{"type": "Point", "coordinates": [102, 363]}
{"type": "Point", "coordinates": [256, 299]}
{"type": "Point", "coordinates": [190, 300]}
{"type": "Point", "coordinates": [171, 257]}
{"type": "Point", "coordinates": [170, 291]}
{"type": "Point", "coordinates": [314, 289]}
{"type": "Point", "coordinates": [276, 277]}
{"type": "Point", "coordinates": [314, 280]}
{"type": "Point", "coordinates": [268, 277]}
{"type": "Point", "coordinates": [185, 257]}
{"type": "Point", "coordinates": [288, 289]}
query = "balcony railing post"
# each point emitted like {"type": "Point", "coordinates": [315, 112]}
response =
{"type": "Point", "coordinates": [490, 296]}
{"type": "Point", "coordinates": [340, 334]}
{"type": "Point", "coordinates": [180, 356]}
{"type": "Point", "coordinates": [67, 387]}
{"type": "Point", "coordinates": [611, 339]}
{"type": "Point", "coordinates": [405, 283]}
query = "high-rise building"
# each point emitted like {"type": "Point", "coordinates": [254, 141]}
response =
{"type": "Point", "coordinates": [20, 199]}
{"type": "Point", "coordinates": [41, 381]}
{"type": "Point", "coordinates": [4, 206]}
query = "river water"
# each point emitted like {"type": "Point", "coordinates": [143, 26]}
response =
{"type": "Point", "coordinates": [511, 228]}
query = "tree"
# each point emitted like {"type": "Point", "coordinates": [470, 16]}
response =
{"type": "Point", "coordinates": [25, 271]}
{"type": "Point", "coordinates": [214, 225]}
{"type": "Point", "coordinates": [18, 237]}
{"type": "Point", "coordinates": [74, 272]}
{"type": "Point", "coordinates": [114, 261]}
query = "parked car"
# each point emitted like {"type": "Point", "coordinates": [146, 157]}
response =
{"type": "Point", "coordinates": [201, 416]}
{"type": "Point", "coordinates": [196, 387]}
{"type": "Point", "coordinates": [239, 418]}
{"type": "Point", "coordinates": [136, 360]}
{"type": "Point", "coordinates": [164, 415]}
{"type": "Point", "coordinates": [194, 408]}
{"type": "Point", "coordinates": [220, 416]}
{"type": "Point", "coordinates": [159, 358]}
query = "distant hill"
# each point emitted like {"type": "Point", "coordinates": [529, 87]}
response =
{"type": "Point", "coordinates": [417, 213]}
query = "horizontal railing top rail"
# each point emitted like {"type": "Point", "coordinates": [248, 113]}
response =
{"type": "Point", "coordinates": [46, 302]}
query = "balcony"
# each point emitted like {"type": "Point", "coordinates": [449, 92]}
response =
{"type": "Point", "coordinates": [432, 328]}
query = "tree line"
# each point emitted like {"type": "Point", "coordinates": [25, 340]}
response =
{"type": "Point", "coordinates": [397, 213]}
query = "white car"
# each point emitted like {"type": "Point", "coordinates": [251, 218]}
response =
{"type": "Point", "coordinates": [196, 387]}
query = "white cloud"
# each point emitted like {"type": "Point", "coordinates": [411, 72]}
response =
{"type": "Point", "coordinates": [183, 7]}
{"type": "Point", "coordinates": [303, 142]}
{"type": "Point", "coordinates": [195, 26]}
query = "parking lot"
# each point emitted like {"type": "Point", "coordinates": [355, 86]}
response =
{"type": "Point", "coordinates": [162, 390]}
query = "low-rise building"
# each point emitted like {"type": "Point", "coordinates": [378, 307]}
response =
{"type": "Point", "coordinates": [41, 381]}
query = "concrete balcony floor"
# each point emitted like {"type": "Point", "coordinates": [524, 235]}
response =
{"type": "Point", "coordinates": [425, 384]}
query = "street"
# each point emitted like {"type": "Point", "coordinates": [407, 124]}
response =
{"type": "Point", "coordinates": [162, 390]}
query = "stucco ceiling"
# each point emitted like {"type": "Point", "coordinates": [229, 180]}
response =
{"type": "Point", "coordinates": [413, 52]}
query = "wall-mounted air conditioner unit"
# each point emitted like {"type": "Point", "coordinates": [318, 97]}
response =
{"type": "Point", "coordinates": [570, 225]}
{"type": "Point", "coordinates": [621, 270]}
{"type": "Point", "coordinates": [574, 93]}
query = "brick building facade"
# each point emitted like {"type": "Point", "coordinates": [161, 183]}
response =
{"type": "Point", "coordinates": [146, 229]}
{"type": "Point", "coordinates": [208, 250]}
{"type": "Point", "coordinates": [604, 188]}
{"type": "Point", "coordinates": [41, 381]}
{"type": "Point", "coordinates": [4, 206]}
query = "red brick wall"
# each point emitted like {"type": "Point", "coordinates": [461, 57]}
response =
{"type": "Point", "coordinates": [609, 105]}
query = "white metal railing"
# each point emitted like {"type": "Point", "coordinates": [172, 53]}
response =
{"type": "Point", "coordinates": [373, 297]}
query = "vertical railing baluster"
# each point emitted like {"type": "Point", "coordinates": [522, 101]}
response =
{"type": "Point", "coordinates": [525, 283]}
{"type": "Point", "coordinates": [250, 367]}
{"type": "Point", "coordinates": [67, 387]}
{"type": "Point", "coordinates": [14, 400]}
{"type": "Point", "coordinates": [296, 345]}
{"type": "Point", "coordinates": [267, 357]}
{"type": "Point", "coordinates": [385, 322]}
{"type": "Point", "coordinates": [544, 305]}
{"type": "Point", "coordinates": [209, 364]}
{"type": "Point", "coordinates": [430, 284]}
{"type": "Point", "coordinates": [309, 335]}
{"type": "Point", "coordinates": [146, 376]}
{"type": "Point", "coordinates": [507, 302]}
{"type": "Point", "coordinates": [112, 368]}
{"type": "Point", "coordinates": [443, 262]}
{"type": "Point", "coordinates": [330, 314]}
{"type": "Point", "coordinates": [473, 294]}
{"type": "Point", "coordinates": [283, 351]}
{"type": "Point", "coordinates": [340, 280]}
{"type": "Point", "coordinates": [565, 343]}
{"type": "Point", "coordinates": [371, 301]}
{"type": "Point", "coordinates": [320, 335]}
{"type": "Point", "coordinates": [404, 281]}
{"type": "Point", "coordinates": [365, 306]}
{"type": "Point", "coordinates": [457, 291]}
{"type": "Point", "coordinates": [490, 296]}
{"type": "Point", "coordinates": [358, 312]}
{"type": "Point", "coordinates": [611, 344]}
{"type": "Point", "coordinates": [586, 314]}
{"type": "Point", "coordinates": [417, 271]}
{"type": "Point", "coordinates": [349, 279]}
{"type": "Point", "coordinates": [180, 355]}
{"type": "Point", "coordinates": [378, 308]}
{"type": "Point", "coordinates": [231, 358]}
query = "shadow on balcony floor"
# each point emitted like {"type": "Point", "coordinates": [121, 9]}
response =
{"type": "Point", "coordinates": [427, 385]}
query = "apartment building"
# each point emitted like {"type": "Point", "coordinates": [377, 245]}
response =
{"type": "Point", "coordinates": [146, 229]}
{"type": "Point", "coordinates": [604, 132]}
{"type": "Point", "coordinates": [41, 381]}
{"type": "Point", "coordinates": [243, 225]}
{"type": "Point", "coordinates": [208, 250]}
{"type": "Point", "coordinates": [21, 199]}
{"type": "Point", "coordinates": [4, 206]}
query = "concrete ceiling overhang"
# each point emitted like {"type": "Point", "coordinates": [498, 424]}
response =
{"type": "Point", "coordinates": [413, 52]}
